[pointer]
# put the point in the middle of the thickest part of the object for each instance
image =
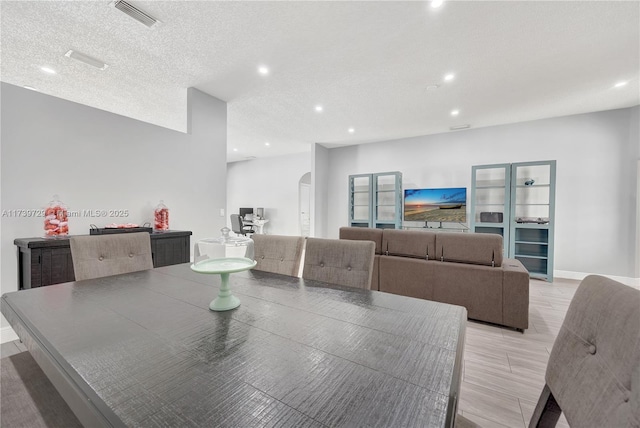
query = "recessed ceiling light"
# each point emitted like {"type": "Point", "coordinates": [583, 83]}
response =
{"type": "Point", "coordinates": [436, 3]}
{"type": "Point", "coordinates": [620, 84]}
{"type": "Point", "coordinates": [79, 56]}
{"type": "Point", "coordinates": [235, 150]}
{"type": "Point", "coordinates": [351, 130]}
{"type": "Point", "coordinates": [318, 109]}
{"type": "Point", "coordinates": [267, 144]}
{"type": "Point", "coordinates": [455, 112]}
{"type": "Point", "coordinates": [31, 88]}
{"type": "Point", "coordinates": [458, 127]}
{"type": "Point", "coordinates": [449, 77]}
{"type": "Point", "coordinates": [263, 70]}
{"type": "Point", "coordinates": [432, 87]}
{"type": "Point", "coordinates": [48, 70]}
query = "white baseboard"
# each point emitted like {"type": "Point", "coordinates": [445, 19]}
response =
{"type": "Point", "coordinates": [566, 274]}
{"type": "Point", "coordinates": [7, 335]}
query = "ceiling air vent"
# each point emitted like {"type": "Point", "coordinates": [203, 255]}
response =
{"type": "Point", "coordinates": [135, 13]}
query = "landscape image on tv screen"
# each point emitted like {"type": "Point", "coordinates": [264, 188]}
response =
{"type": "Point", "coordinates": [441, 205]}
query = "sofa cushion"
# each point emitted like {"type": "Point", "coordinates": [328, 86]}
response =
{"type": "Point", "coordinates": [406, 276]}
{"type": "Point", "coordinates": [417, 244]}
{"type": "Point", "coordinates": [363, 234]}
{"type": "Point", "coordinates": [474, 248]}
{"type": "Point", "coordinates": [477, 288]}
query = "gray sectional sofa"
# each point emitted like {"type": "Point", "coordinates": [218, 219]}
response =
{"type": "Point", "coordinates": [465, 269]}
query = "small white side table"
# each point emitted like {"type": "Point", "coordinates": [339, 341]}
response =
{"type": "Point", "coordinates": [259, 225]}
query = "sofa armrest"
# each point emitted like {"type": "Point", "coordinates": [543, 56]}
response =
{"type": "Point", "coordinates": [515, 294]}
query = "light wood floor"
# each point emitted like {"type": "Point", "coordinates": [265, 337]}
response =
{"type": "Point", "coordinates": [503, 372]}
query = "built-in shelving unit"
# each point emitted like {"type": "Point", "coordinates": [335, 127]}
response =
{"type": "Point", "coordinates": [375, 200]}
{"type": "Point", "coordinates": [517, 201]}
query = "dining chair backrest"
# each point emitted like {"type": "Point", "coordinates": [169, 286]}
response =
{"type": "Point", "coordinates": [339, 261]}
{"type": "Point", "coordinates": [278, 254]}
{"type": "Point", "coordinates": [95, 256]}
{"type": "Point", "coordinates": [593, 374]}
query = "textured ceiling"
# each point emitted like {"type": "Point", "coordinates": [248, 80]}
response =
{"type": "Point", "coordinates": [367, 63]}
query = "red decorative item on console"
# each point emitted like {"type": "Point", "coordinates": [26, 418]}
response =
{"type": "Point", "coordinates": [56, 221]}
{"type": "Point", "coordinates": [161, 217]}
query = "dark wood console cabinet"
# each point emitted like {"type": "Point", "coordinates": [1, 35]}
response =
{"type": "Point", "coordinates": [43, 261]}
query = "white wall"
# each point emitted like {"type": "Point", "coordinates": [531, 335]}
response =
{"type": "Point", "coordinates": [269, 183]}
{"type": "Point", "coordinates": [98, 160]}
{"type": "Point", "coordinates": [634, 136]}
{"type": "Point", "coordinates": [320, 174]}
{"type": "Point", "coordinates": [596, 217]}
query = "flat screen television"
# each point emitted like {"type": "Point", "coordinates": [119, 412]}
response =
{"type": "Point", "coordinates": [440, 205]}
{"type": "Point", "coordinates": [244, 212]}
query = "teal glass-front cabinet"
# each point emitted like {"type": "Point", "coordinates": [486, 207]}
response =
{"type": "Point", "coordinates": [375, 200]}
{"type": "Point", "coordinates": [360, 200]}
{"type": "Point", "coordinates": [517, 201]}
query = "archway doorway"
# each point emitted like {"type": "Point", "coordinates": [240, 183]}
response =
{"type": "Point", "coordinates": [304, 210]}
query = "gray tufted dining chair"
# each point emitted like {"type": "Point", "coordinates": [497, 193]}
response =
{"type": "Point", "coordinates": [593, 374]}
{"type": "Point", "coordinates": [339, 261]}
{"type": "Point", "coordinates": [278, 253]}
{"type": "Point", "coordinates": [95, 256]}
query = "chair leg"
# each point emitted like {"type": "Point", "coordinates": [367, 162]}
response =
{"type": "Point", "coordinates": [547, 411]}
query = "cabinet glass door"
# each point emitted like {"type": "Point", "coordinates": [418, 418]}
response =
{"type": "Point", "coordinates": [532, 187]}
{"type": "Point", "coordinates": [490, 193]}
{"type": "Point", "coordinates": [360, 200]}
{"type": "Point", "coordinates": [532, 206]}
{"type": "Point", "coordinates": [387, 200]}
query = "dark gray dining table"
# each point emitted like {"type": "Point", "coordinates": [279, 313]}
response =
{"type": "Point", "coordinates": [143, 349]}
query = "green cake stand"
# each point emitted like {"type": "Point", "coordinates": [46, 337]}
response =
{"type": "Point", "coordinates": [224, 267]}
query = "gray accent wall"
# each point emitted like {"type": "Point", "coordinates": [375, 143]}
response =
{"type": "Point", "coordinates": [96, 160]}
{"type": "Point", "coordinates": [597, 161]}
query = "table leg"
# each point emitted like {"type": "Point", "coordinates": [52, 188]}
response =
{"type": "Point", "coordinates": [225, 300]}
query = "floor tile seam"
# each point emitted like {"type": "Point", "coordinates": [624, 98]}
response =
{"type": "Point", "coordinates": [496, 395]}
{"type": "Point", "coordinates": [502, 408]}
{"type": "Point", "coordinates": [517, 379]}
{"type": "Point", "coordinates": [484, 353]}
{"type": "Point", "coordinates": [522, 412]}
{"type": "Point", "coordinates": [487, 418]}
{"type": "Point", "coordinates": [505, 391]}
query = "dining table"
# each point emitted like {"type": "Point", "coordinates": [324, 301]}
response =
{"type": "Point", "coordinates": [143, 349]}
